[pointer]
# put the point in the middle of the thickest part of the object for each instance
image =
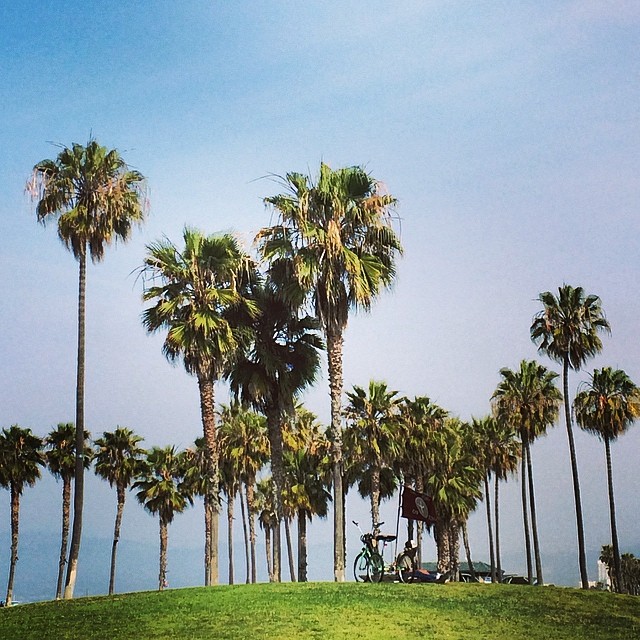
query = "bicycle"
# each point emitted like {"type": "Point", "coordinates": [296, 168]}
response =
{"type": "Point", "coordinates": [369, 564]}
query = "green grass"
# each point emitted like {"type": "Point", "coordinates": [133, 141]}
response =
{"type": "Point", "coordinates": [328, 610]}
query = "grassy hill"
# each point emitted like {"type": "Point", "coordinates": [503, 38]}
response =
{"type": "Point", "coordinates": [328, 610]}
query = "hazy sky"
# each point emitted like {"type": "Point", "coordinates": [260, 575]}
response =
{"type": "Point", "coordinates": [508, 131]}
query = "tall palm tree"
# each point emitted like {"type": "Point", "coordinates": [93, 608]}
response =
{"type": "Point", "coordinates": [60, 454]}
{"type": "Point", "coordinates": [243, 438]}
{"type": "Point", "coordinates": [528, 400]}
{"type": "Point", "coordinates": [607, 406]}
{"type": "Point", "coordinates": [20, 458]}
{"type": "Point", "coordinates": [284, 358]}
{"type": "Point", "coordinates": [161, 491]}
{"type": "Point", "coordinates": [198, 295]}
{"type": "Point", "coordinates": [96, 199]}
{"type": "Point", "coordinates": [333, 246]}
{"type": "Point", "coordinates": [566, 330]}
{"type": "Point", "coordinates": [118, 460]}
{"type": "Point", "coordinates": [374, 414]}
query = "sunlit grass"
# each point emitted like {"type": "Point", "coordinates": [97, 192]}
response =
{"type": "Point", "coordinates": [327, 610]}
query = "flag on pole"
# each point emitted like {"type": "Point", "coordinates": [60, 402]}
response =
{"type": "Point", "coordinates": [418, 506]}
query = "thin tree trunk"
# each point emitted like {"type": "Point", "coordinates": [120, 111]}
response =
{"type": "Point", "coordinates": [419, 526]}
{"type": "Point", "coordinates": [249, 487]}
{"type": "Point", "coordinates": [525, 514]}
{"type": "Point", "coordinates": [207, 409]}
{"type": "Point", "coordinates": [492, 556]}
{"type": "Point", "coordinates": [121, 492]}
{"type": "Point", "coordinates": [334, 358]}
{"type": "Point", "coordinates": [612, 514]}
{"type": "Point", "coordinates": [66, 512]}
{"type": "Point", "coordinates": [207, 541]}
{"type": "Point", "coordinates": [292, 568]}
{"type": "Point", "coordinates": [467, 548]}
{"type": "Point", "coordinates": [496, 507]}
{"type": "Point", "coordinates": [267, 545]}
{"type": "Point", "coordinates": [78, 492]}
{"type": "Point", "coordinates": [582, 558]}
{"type": "Point", "coordinates": [274, 427]}
{"type": "Point", "coordinates": [15, 524]}
{"type": "Point", "coordinates": [245, 534]}
{"type": "Point", "coordinates": [534, 521]}
{"type": "Point", "coordinates": [302, 545]}
{"type": "Point", "coordinates": [162, 576]}
{"type": "Point", "coordinates": [375, 498]}
{"type": "Point", "coordinates": [230, 499]}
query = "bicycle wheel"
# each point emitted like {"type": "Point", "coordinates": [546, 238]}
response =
{"type": "Point", "coordinates": [361, 567]}
{"type": "Point", "coordinates": [375, 568]}
{"type": "Point", "coordinates": [405, 567]}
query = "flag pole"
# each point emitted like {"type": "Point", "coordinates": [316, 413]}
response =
{"type": "Point", "coordinates": [398, 518]}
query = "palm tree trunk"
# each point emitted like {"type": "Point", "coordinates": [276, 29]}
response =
{"type": "Point", "coordinates": [454, 551]}
{"type": "Point", "coordinates": [66, 512]}
{"type": "Point", "coordinates": [207, 541]}
{"type": "Point", "coordinates": [162, 576]}
{"type": "Point", "coordinates": [492, 556]}
{"type": "Point", "coordinates": [334, 358]}
{"type": "Point", "coordinates": [230, 499]}
{"type": "Point", "coordinates": [525, 514]}
{"type": "Point", "coordinates": [207, 410]}
{"type": "Point", "coordinates": [467, 548]}
{"type": "Point", "coordinates": [612, 515]}
{"type": "Point", "coordinates": [496, 507]}
{"type": "Point", "coordinates": [78, 492]}
{"type": "Point", "coordinates": [442, 544]}
{"type": "Point", "coordinates": [15, 522]}
{"type": "Point", "coordinates": [534, 522]}
{"type": "Point", "coordinates": [375, 498]}
{"type": "Point", "coordinates": [582, 558]}
{"type": "Point", "coordinates": [302, 545]}
{"type": "Point", "coordinates": [287, 530]}
{"type": "Point", "coordinates": [245, 534]}
{"type": "Point", "coordinates": [249, 487]}
{"type": "Point", "coordinates": [267, 546]}
{"type": "Point", "coordinates": [277, 469]}
{"type": "Point", "coordinates": [121, 491]}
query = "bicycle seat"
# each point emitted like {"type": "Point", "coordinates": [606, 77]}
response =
{"type": "Point", "coordinates": [383, 538]}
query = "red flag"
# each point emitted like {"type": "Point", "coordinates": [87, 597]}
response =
{"type": "Point", "coordinates": [418, 506]}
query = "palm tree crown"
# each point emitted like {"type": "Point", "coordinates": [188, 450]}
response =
{"type": "Point", "coordinates": [568, 326]}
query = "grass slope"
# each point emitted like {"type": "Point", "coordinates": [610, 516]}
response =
{"type": "Point", "coordinates": [328, 610]}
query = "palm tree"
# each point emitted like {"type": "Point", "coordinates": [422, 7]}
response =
{"type": "Point", "coordinates": [196, 482]}
{"type": "Point", "coordinates": [307, 474]}
{"type": "Point", "coordinates": [607, 406]}
{"type": "Point", "coordinates": [528, 400]}
{"type": "Point", "coordinates": [96, 199]}
{"type": "Point", "coordinates": [161, 491]}
{"type": "Point", "coordinates": [499, 451]}
{"type": "Point", "coordinates": [334, 246]}
{"type": "Point", "coordinates": [283, 360]}
{"type": "Point", "coordinates": [243, 438]}
{"type": "Point", "coordinates": [198, 294]}
{"type": "Point", "coordinates": [118, 460]}
{"type": "Point", "coordinates": [566, 330]}
{"type": "Point", "coordinates": [374, 413]}
{"type": "Point", "coordinates": [20, 456]}
{"type": "Point", "coordinates": [267, 520]}
{"type": "Point", "coordinates": [60, 455]}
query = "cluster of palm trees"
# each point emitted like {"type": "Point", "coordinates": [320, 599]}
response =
{"type": "Point", "coordinates": [165, 481]}
{"type": "Point", "coordinates": [332, 249]}
{"type": "Point", "coordinates": [260, 323]}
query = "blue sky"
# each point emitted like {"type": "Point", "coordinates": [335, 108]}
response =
{"type": "Point", "coordinates": [507, 131]}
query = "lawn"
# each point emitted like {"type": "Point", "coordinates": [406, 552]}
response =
{"type": "Point", "coordinates": [328, 610]}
